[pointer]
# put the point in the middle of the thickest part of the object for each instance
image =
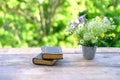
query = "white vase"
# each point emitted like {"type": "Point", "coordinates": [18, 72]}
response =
{"type": "Point", "coordinates": [89, 52]}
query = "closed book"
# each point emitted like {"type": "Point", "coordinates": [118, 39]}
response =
{"type": "Point", "coordinates": [40, 61]}
{"type": "Point", "coordinates": [51, 52]}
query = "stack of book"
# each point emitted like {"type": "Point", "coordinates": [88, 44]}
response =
{"type": "Point", "coordinates": [48, 56]}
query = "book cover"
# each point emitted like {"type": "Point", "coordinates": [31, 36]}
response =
{"type": "Point", "coordinates": [38, 60]}
{"type": "Point", "coordinates": [52, 52]}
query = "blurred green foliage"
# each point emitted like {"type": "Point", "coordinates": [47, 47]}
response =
{"type": "Point", "coordinates": [35, 23]}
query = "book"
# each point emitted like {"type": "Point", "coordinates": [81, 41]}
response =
{"type": "Point", "coordinates": [38, 60]}
{"type": "Point", "coordinates": [51, 52]}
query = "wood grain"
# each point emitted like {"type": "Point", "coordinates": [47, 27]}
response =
{"type": "Point", "coordinates": [16, 64]}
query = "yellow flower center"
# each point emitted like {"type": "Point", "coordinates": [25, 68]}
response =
{"type": "Point", "coordinates": [102, 35]}
{"type": "Point", "coordinates": [100, 19]}
{"type": "Point", "coordinates": [75, 38]}
{"type": "Point", "coordinates": [113, 35]}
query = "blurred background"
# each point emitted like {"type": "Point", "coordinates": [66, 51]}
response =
{"type": "Point", "coordinates": [36, 23]}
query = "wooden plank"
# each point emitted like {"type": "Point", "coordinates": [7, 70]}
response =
{"type": "Point", "coordinates": [65, 50]}
{"type": "Point", "coordinates": [87, 73]}
{"type": "Point", "coordinates": [16, 64]}
{"type": "Point", "coordinates": [101, 60]}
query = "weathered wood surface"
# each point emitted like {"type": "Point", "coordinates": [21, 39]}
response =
{"type": "Point", "coordinates": [16, 64]}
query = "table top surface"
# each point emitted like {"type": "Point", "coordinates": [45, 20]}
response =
{"type": "Point", "coordinates": [16, 64]}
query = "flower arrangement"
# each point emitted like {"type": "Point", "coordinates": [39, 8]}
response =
{"type": "Point", "coordinates": [89, 32]}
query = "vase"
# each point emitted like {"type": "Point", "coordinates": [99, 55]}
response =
{"type": "Point", "coordinates": [89, 52]}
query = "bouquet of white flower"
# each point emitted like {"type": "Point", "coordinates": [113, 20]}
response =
{"type": "Point", "coordinates": [89, 32]}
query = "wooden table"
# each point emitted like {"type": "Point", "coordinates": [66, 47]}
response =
{"type": "Point", "coordinates": [16, 64]}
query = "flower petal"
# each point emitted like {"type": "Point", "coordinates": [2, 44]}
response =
{"type": "Point", "coordinates": [81, 19]}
